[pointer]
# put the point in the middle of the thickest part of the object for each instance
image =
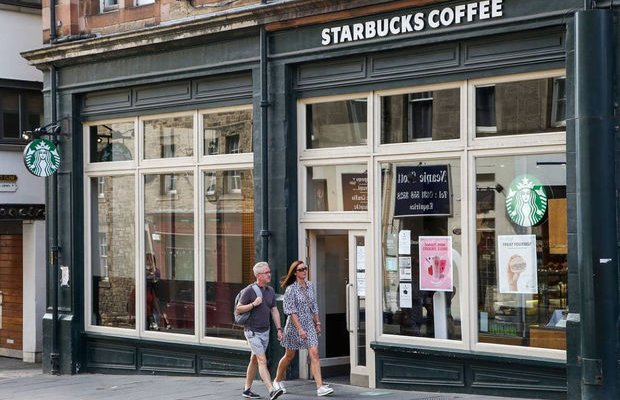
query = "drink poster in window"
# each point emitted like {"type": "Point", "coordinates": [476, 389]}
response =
{"type": "Point", "coordinates": [422, 190]}
{"type": "Point", "coordinates": [435, 263]}
{"type": "Point", "coordinates": [517, 264]}
{"type": "Point", "coordinates": [355, 192]}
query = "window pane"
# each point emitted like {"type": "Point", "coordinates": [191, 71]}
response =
{"type": "Point", "coordinates": [521, 237]}
{"type": "Point", "coordinates": [336, 124]}
{"type": "Point", "coordinates": [113, 251]}
{"type": "Point", "coordinates": [511, 108]}
{"type": "Point", "coordinates": [9, 107]}
{"type": "Point", "coordinates": [229, 247]}
{"type": "Point", "coordinates": [33, 105]}
{"type": "Point", "coordinates": [169, 137]}
{"type": "Point", "coordinates": [169, 252]}
{"type": "Point", "coordinates": [421, 242]}
{"type": "Point", "coordinates": [112, 142]}
{"type": "Point", "coordinates": [228, 132]}
{"type": "Point", "coordinates": [420, 116]}
{"type": "Point", "coordinates": [337, 188]}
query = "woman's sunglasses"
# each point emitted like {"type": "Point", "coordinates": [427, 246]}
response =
{"type": "Point", "coordinates": [302, 269]}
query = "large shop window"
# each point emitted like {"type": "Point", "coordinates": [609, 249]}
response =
{"type": "Point", "coordinates": [147, 279]}
{"type": "Point", "coordinates": [229, 246]}
{"type": "Point", "coordinates": [112, 251]}
{"type": "Point", "coordinates": [421, 236]}
{"type": "Point", "coordinates": [521, 242]}
{"type": "Point", "coordinates": [169, 251]}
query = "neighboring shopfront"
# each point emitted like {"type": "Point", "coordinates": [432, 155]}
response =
{"type": "Point", "coordinates": [417, 160]}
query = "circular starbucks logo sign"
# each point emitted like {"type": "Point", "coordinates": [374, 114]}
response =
{"type": "Point", "coordinates": [526, 201]}
{"type": "Point", "coordinates": [41, 157]}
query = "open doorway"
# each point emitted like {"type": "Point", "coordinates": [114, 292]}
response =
{"type": "Point", "coordinates": [338, 266]}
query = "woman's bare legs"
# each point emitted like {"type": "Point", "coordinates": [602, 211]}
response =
{"type": "Point", "coordinates": [315, 365]}
{"type": "Point", "coordinates": [283, 364]}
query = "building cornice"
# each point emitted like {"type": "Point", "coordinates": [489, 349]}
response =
{"type": "Point", "coordinates": [206, 26]}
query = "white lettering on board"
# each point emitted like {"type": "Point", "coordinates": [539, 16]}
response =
{"type": "Point", "coordinates": [431, 19]}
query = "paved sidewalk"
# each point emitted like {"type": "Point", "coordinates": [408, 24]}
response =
{"type": "Point", "coordinates": [21, 381]}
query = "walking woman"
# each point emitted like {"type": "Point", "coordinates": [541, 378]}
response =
{"type": "Point", "coordinates": [303, 326]}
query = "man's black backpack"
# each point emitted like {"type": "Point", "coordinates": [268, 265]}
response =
{"type": "Point", "coordinates": [242, 319]}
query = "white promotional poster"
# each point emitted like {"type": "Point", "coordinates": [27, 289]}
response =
{"type": "Point", "coordinates": [517, 264]}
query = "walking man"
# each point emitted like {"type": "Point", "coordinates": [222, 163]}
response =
{"type": "Point", "coordinates": [256, 329]}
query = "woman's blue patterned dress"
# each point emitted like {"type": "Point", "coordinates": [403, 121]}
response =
{"type": "Point", "coordinates": [301, 301]}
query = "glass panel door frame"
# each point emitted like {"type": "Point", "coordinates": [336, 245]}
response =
{"type": "Point", "coordinates": [363, 375]}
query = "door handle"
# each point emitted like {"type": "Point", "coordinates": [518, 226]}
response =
{"type": "Point", "coordinates": [348, 306]}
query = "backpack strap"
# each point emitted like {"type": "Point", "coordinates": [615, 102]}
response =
{"type": "Point", "coordinates": [257, 290]}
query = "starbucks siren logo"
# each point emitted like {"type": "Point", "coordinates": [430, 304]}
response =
{"type": "Point", "coordinates": [526, 202]}
{"type": "Point", "coordinates": [41, 157]}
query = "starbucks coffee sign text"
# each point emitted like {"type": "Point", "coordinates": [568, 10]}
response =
{"type": "Point", "coordinates": [415, 22]}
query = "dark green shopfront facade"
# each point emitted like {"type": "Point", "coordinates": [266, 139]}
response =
{"type": "Point", "coordinates": [188, 159]}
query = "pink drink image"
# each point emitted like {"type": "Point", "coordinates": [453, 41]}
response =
{"type": "Point", "coordinates": [436, 268]}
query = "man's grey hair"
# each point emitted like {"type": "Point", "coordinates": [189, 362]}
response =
{"type": "Point", "coordinates": [259, 266]}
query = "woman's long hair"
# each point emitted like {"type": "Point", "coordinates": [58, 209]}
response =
{"type": "Point", "coordinates": [290, 277]}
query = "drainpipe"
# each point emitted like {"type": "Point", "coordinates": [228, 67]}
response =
{"type": "Point", "coordinates": [53, 232]}
{"type": "Point", "coordinates": [53, 34]}
{"type": "Point", "coordinates": [53, 209]}
{"type": "Point", "coordinates": [264, 104]}
{"type": "Point", "coordinates": [596, 197]}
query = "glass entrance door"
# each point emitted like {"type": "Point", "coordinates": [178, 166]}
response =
{"type": "Point", "coordinates": [338, 265]}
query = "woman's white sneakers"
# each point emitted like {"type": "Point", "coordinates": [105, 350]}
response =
{"type": "Point", "coordinates": [324, 391]}
{"type": "Point", "coordinates": [279, 385]}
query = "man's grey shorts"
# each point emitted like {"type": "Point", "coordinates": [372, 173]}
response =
{"type": "Point", "coordinates": [258, 341]}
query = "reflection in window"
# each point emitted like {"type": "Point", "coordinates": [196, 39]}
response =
{"type": "Point", "coordinates": [432, 115]}
{"type": "Point", "coordinates": [337, 188]}
{"type": "Point", "coordinates": [414, 209]}
{"type": "Point", "coordinates": [169, 253]}
{"type": "Point", "coordinates": [109, 5]}
{"type": "Point", "coordinates": [522, 262]}
{"type": "Point", "coordinates": [112, 142]}
{"type": "Point", "coordinates": [230, 129]}
{"type": "Point", "coordinates": [113, 233]}
{"type": "Point", "coordinates": [169, 137]}
{"type": "Point", "coordinates": [229, 247]}
{"type": "Point", "coordinates": [336, 124]}
{"type": "Point", "coordinates": [532, 106]}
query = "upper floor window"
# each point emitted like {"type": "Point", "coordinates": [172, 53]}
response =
{"type": "Point", "coordinates": [23, 3]}
{"type": "Point", "coordinates": [20, 110]}
{"type": "Point", "coordinates": [109, 5]}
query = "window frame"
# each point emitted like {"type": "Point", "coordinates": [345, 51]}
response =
{"type": "Point", "coordinates": [22, 115]}
{"type": "Point", "coordinates": [523, 351]}
{"type": "Point", "coordinates": [138, 167]}
{"type": "Point", "coordinates": [466, 148]}
{"type": "Point", "coordinates": [507, 141]}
